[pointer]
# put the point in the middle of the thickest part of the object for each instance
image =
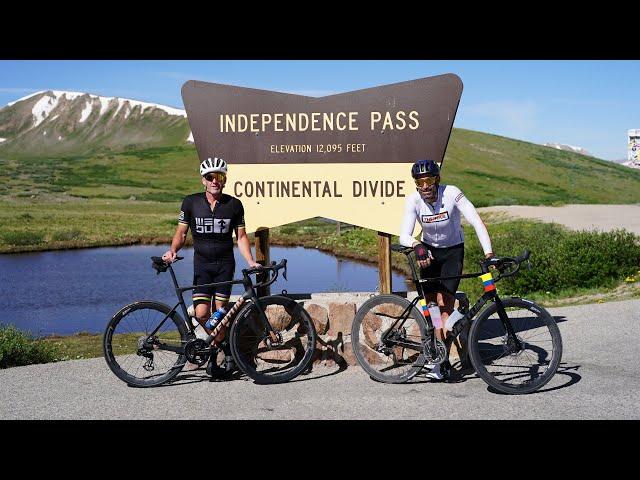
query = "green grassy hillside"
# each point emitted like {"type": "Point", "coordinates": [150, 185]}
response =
{"type": "Point", "coordinates": [491, 170]}
{"type": "Point", "coordinates": [494, 170]}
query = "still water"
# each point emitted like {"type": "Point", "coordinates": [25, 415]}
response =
{"type": "Point", "coordinates": [65, 292]}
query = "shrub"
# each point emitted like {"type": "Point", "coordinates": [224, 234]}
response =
{"type": "Point", "coordinates": [67, 236]}
{"type": "Point", "coordinates": [560, 259]}
{"type": "Point", "coordinates": [19, 348]}
{"type": "Point", "coordinates": [23, 238]}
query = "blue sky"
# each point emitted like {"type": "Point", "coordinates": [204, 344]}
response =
{"type": "Point", "coordinates": [590, 104]}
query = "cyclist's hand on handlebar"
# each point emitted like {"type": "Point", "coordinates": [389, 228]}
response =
{"type": "Point", "coordinates": [254, 264]}
{"type": "Point", "coordinates": [423, 255]}
{"type": "Point", "coordinates": [169, 256]}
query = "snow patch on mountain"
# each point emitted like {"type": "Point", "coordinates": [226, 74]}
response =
{"type": "Point", "coordinates": [569, 148]}
{"type": "Point", "coordinates": [42, 108]}
{"type": "Point", "coordinates": [86, 111]}
{"type": "Point", "coordinates": [45, 105]}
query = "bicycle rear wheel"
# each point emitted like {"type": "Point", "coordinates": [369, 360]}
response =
{"type": "Point", "coordinates": [273, 360]}
{"type": "Point", "coordinates": [124, 342]}
{"type": "Point", "coordinates": [398, 358]}
{"type": "Point", "coordinates": [501, 364]}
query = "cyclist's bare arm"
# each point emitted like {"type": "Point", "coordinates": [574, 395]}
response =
{"type": "Point", "coordinates": [177, 243]}
{"type": "Point", "coordinates": [245, 247]}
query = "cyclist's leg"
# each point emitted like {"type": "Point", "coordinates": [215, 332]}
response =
{"type": "Point", "coordinates": [202, 295]}
{"type": "Point", "coordinates": [452, 260]}
{"type": "Point", "coordinates": [222, 272]}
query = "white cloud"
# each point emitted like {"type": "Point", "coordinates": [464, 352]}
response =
{"type": "Point", "coordinates": [519, 117]}
{"type": "Point", "coordinates": [311, 93]}
{"type": "Point", "coordinates": [17, 90]}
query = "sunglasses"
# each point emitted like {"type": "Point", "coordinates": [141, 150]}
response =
{"type": "Point", "coordinates": [426, 181]}
{"type": "Point", "coordinates": [219, 177]}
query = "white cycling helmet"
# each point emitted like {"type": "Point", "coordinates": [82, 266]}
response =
{"type": "Point", "coordinates": [213, 165]}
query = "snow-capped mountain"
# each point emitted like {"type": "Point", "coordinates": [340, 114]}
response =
{"type": "Point", "coordinates": [62, 122]}
{"type": "Point", "coordinates": [568, 148]}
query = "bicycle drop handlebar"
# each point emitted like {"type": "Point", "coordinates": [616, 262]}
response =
{"type": "Point", "coordinates": [273, 267]}
{"type": "Point", "coordinates": [501, 263]}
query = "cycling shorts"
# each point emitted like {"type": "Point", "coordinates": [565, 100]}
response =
{"type": "Point", "coordinates": [212, 273]}
{"type": "Point", "coordinates": [446, 262]}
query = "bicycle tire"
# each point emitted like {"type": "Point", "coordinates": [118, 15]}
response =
{"type": "Point", "coordinates": [260, 359]}
{"type": "Point", "coordinates": [136, 320]}
{"type": "Point", "coordinates": [501, 368]}
{"type": "Point", "coordinates": [366, 331]}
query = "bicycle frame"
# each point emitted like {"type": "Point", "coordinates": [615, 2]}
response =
{"type": "Point", "coordinates": [489, 295]}
{"type": "Point", "coordinates": [249, 294]}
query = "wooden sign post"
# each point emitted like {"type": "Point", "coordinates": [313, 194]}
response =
{"type": "Point", "coordinates": [384, 262]}
{"type": "Point", "coordinates": [263, 257]}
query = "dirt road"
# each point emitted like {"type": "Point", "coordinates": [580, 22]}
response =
{"type": "Point", "coordinates": [578, 217]}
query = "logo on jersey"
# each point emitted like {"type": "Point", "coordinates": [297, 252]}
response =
{"type": "Point", "coordinates": [459, 196]}
{"type": "Point", "coordinates": [438, 217]}
{"type": "Point", "coordinates": [213, 225]}
{"type": "Point", "coordinates": [181, 216]}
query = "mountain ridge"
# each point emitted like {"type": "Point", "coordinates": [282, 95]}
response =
{"type": "Point", "coordinates": [51, 122]}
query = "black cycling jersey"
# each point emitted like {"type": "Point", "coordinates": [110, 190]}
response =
{"type": "Point", "coordinates": [212, 230]}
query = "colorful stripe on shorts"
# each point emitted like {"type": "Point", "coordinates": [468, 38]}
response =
{"type": "Point", "coordinates": [199, 297]}
{"type": "Point", "coordinates": [487, 282]}
{"type": "Point", "coordinates": [425, 310]}
{"type": "Point", "coordinates": [222, 298]}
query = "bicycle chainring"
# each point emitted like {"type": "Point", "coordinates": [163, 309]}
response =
{"type": "Point", "coordinates": [197, 351]}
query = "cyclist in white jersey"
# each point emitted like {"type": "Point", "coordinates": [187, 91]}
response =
{"type": "Point", "coordinates": [440, 251]}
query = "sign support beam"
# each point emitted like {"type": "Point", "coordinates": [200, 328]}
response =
{"type": "Point", "coordinates": [384, 262]}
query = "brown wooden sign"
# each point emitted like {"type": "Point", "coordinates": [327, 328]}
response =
{"type": "Point", "coordinates": [397, 123]}
{"type": "Point", "coordinates": [346, 157]}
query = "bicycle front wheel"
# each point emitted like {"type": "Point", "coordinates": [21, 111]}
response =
{"type": "Point", "coordinates": [511, 368]}
{"type": "Point", "coordinates": [387, 338]}
{"type": "Point", "coordinates": [276, 356]}
{"type": "Point", "coordinates": [134, 356]}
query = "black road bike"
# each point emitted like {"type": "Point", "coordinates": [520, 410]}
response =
{"type": "Point", "coordinates": [514, 344]}
{"type": "Point", "coordinates": [272, 338]}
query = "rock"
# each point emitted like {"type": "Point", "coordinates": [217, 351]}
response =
{"type": "Point", "coordinates": [320, 317]}
{"type": "Point", "coordinates": [371, 325]}
{"type": "Point", "coordinates": [277, 356]}
{"type": "Point", "coordinates": [278, 317]}
{"type": "Point", "coordinates": [340, 318]}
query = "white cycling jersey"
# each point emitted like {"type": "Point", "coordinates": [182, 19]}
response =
{"type": "Point", "coordinates": [440, 221]}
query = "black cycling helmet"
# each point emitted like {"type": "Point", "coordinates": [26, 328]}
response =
{"type": "Point", "coordinates": [425, 167]}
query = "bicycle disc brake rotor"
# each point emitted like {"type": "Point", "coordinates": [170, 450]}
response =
{"type": "Point", "coordinates": [437, 355]}
{"type": "Point", "coordinates": [197, 351]}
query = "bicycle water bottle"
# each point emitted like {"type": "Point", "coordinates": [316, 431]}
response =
{"type": "Point", "coordinates": [453, 318]}
{"type": "Point", "coordinates": [434, 312]}
{"type": "Point", "coordinates": [215, 318]}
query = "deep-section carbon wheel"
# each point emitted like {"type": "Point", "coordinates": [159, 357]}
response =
{"type": "Point", "coordinates": [501, 362]}
{"type": "Point", "coordinates": [388, 348]}
{"type": "Point", "coordinates": [279, 356]}
{"type": "Point", "coordinates": [134, 356]}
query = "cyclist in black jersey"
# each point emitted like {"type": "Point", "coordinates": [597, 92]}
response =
{"type": "Point", "coordinates": [212, 216]}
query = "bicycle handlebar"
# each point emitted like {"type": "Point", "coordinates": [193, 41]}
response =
{"type": "Point", "coordinates": [273, 267]}
{"type": "Point", "coordinates": [503, 263]}
{"type": "Point", "coordinates": [160, 265]}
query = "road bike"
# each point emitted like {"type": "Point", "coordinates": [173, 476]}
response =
{"type": "Point", "coordinates": [514, 345]}
{"type": "Point", "coordinates": [272, 337]}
